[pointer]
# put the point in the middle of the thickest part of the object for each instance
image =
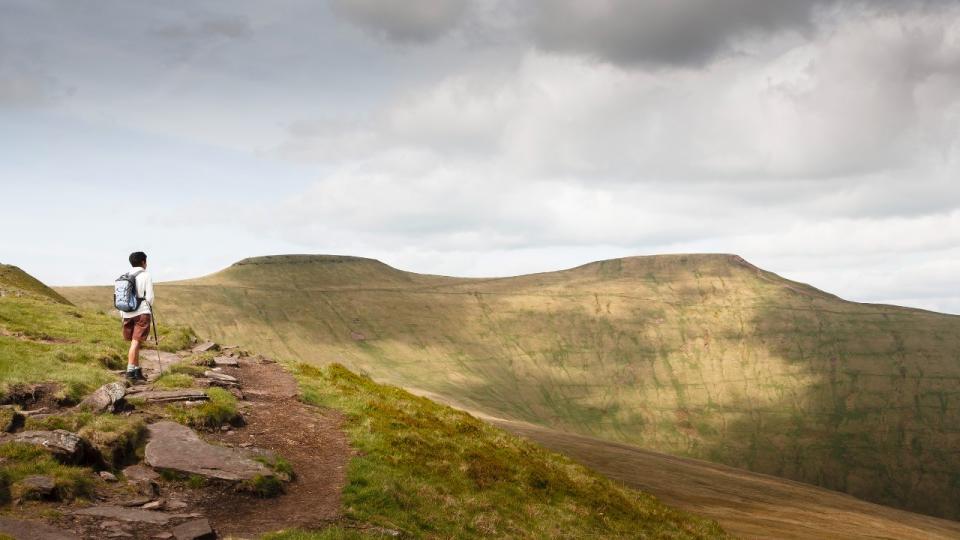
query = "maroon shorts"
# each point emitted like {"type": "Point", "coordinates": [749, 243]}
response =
{"type": "Point", "coordinates": [137, 328]}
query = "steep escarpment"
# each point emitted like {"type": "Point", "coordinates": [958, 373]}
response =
{"type": "Point", "coordinates": [704, 356]}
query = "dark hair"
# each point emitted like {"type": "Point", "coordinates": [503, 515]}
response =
{"type": "Point", "coordinates": [137, 258]}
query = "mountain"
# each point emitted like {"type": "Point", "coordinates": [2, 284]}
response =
{"type": "Point", "coordinates": [199, 448]}
{"type": "Point", "coordinates": [703, 356]}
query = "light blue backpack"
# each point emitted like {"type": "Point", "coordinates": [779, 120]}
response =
{"type": "Point", "coordinates": [125, 292]}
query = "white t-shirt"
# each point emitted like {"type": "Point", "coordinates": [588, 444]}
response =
{"type": "Point", "coordinates": [144, 290]}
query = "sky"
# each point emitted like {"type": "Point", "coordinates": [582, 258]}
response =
{"type": "Point", "coordinates": [818, 139]}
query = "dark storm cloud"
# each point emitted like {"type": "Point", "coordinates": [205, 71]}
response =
{"type": "Point", "coordinates": [679, 32]}
{"type": "Point", "coordinates": [410, 21]}
{"type": "Point", "coordinates": [685, 32]}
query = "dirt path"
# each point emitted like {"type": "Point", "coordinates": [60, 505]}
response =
{"type": "Point", "coordinates": [310, 439]}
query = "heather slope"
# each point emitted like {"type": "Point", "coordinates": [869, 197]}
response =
{"type": "Point", "coordinates": [704, 356]}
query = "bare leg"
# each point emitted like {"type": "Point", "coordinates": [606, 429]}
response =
{"type": "Point", "coordinates": [133, 357]}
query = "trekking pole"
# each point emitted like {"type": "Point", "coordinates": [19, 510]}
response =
{"type": "Point", "coordinates": [156, 338]}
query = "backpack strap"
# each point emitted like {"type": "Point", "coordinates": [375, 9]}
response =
{"type": "Point", "coordinates": [133, 276]}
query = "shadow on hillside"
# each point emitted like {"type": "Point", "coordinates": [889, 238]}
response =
{"type": "Point", "coordinates": [867, 403]}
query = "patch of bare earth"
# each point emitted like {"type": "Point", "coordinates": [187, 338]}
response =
{"type": "Point", "coordinates": [312, 440]}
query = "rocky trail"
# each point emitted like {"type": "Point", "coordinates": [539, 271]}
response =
{"type": "Point", "coordinates": [282, 466]}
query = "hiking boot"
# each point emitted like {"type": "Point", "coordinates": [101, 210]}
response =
{"type": "Point", "coordinates": [135, 376]}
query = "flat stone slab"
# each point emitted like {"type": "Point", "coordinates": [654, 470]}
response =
{"type": "Point", "coordinates": [65, 446]}
{"type": "Point", "coordinates": [120, 513]}
{"type": "Point", "coordinates": [222, 377]}
{"type": "Point", "coordinates": [170, 396]}
{"type": "Point", "coordinates": [139, 472]}
{"type": "Point", "coordinates": [206, 346]}
{"type": "Point", "coordinates": [225, 361]}
{"type": "Point", "coordinates": [177, 448]}
{"type": "Point", "coordinates": [195, 529]}
{"type": "Point", "coordinates": [104, 399]}
{"type": "Point", "coordinates": [24, 529]}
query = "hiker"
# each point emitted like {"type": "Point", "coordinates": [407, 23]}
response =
{"type": "Point", "coordinates": [136, 323]}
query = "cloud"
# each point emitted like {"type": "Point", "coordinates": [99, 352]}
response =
{"type": "Point", "coordinates": [858, 106]}
{"type": "Point", "coordinates": [410, 21]}
{"type": "Point", "coordinates": [686, 33]}
{"type": "Point", "coordinates": [679, 32]}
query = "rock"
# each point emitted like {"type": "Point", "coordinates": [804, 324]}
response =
{"type": "Point", "coordinates": [138, 501]}
{"type": "Point", "coordinates": [221, 379]}
{"type": "Point", "coordinates": [35, 487]}
{"type": "Point", "coordinates": [107, 398]}
{"type": "Point", "coordinates": [23, 529]}
{"type": "Point", "coordinates": [217, 376]}
{"type": "Point", "coordinates": [195, 529]}
{"type": "Point", "coordinates": [108, 476]}
{"type": "Point", "coordinates": [65, 446]}
{"type": "Point", "coordinates": [163, 536]}
{"type": "Point", "coordinates": [225, 361]}
{"type": "Point", "coordinates": [144, 478]}
{"type": "Point", "coordinates": [34, 412]}
{"type": "Point", "coordinates": [175, 504]}
{"type": "Point", "coordinates": [206, 346]}
{"type": "Point", "coordinates": [177, 448]}
{"type": "Point", "coordinates": [10, 419]}
{"type": "Point", "coordinates": [139, 472]}
{"type": "Point", "coordinates": [119, 534]}
{"type": "Point", "coordinates": [170, 396]}
{"type": "Point", "coordinates": [147, 488]}
{"type": "Point", "coordinates": [136, 515]}
{"type": "Point", "coordinates": [153, 505]}
{"type": "Point", "coordinates": [237, 393]}
{"type": "Point", "coordinates": [152, 362]}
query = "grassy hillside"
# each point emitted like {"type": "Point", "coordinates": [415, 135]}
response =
{"type": "Point", "coordinates": [746, 504]}
{"type": "Point", "coordinates": [46, 339]}
{"type": "Point", "coordinates": [14, 281]}
{"type": "Point", "coordinates": [697, 355]}
{"type": "Point", "coordinates": [436, 472]}
{"type": "Point", "coordinates": [415, 457]}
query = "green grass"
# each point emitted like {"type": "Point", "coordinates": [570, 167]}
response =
{"type": "Point", "coordinates": [221, 409]}
{"type": "Point", "coordinates": [17, 282]}
{"type": "Point", "coordinates": [45, 341]}
{"type": "Point", "coordinates": [20, 461]}
{"type": "Point", "coordinates": [436, 472]}
{"type": "Point", "coordinates": [681, 354]}
{"type": "Point", "coordinates": [116, 437]}
{"type": "Point", "coordinates": [330, 533]}
{"type": "Point", "coordinates": [174, 380]}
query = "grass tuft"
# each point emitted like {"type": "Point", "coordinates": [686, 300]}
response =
{"type": "Point", "coordinates": [221, 409]}
{"type": "Point", "coordinates": [174, 380]}
{"type": "Point", "coordinates": [20, 461]}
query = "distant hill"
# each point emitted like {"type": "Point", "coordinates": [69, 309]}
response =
{"type": "Point", "coordinates": [704, 356]}
{"type": "Point", "coordinates": [15, 281]}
